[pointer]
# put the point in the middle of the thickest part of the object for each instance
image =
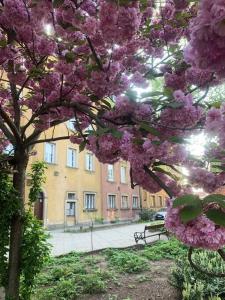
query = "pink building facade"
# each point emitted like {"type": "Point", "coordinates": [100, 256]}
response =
{"type": "Point", "coordinates": [119, 200]}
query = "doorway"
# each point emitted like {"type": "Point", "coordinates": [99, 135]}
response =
{"type": "Point", "coordinates": [39, 207]}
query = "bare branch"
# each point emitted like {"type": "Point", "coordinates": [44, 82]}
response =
{"type": "Point", "coordinates": [49, 140]}
{"type": "Point", "coordinates": [94, 53]}
{"type": "Point", "coordinates": [159, 181]}
{"type": "Point", "coordinates": [11, 125]}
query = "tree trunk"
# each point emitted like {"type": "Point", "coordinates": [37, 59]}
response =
{"type": "Point", "coordinates": [16, 230]}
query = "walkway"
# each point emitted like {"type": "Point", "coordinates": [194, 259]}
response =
{"type": "Point", "coordinates": [116, 237]}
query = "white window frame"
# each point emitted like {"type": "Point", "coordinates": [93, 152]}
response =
{"type": "Point", "coordinates": [51, 155]}
{"type": "Point", "coordinates": [138, 203]}
{"type": "Point", "coordinates": [72, 163]}
{"type": "Point", "coordinates": [91, 207]}
{"type": "Point", "coordinates": [108, 201]}
{"type": "Point", "coordinates": [127, 206]}
{"type": "Point", "coordinates": [70, 124]}
{"type": "Point", "coordinates": [123, 176]}
{"type": "Point", "coordinates": [89, 164]}
{"type": "Point", "coordinates": [69, 201]}
{"type": "Point", "coordinates": [110, 172]}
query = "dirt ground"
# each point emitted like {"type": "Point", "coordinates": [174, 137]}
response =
{"type": "Point", "coordinates": [150, 285]}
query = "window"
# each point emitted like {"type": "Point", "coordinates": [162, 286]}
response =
{"type": "Point", "coordinates": [89, 201]}
{"type": "Point", "coordinates": [124, 202]}
{"type": "Point", "coordinates": [153, 201]}
{"type": "Point", "coordinates": [89, 162]}
{"type": "Point", "coordinates": [123, 170]}
{"type": "Point", "coordinates": [70, 209]}
{"type": "Point", "coordinates": [71, 158]}
{"type": "Point", "coordinates": [70, 204]}
{"type": "Point", "coordinates": [71, 196]}
{"type": "Point", "coordinates": [112, 201]}
{"type": "Point", "coordinates": [50, 153]}
{"type": "Point", "coordinates": [160, 201]}
{"type": "Point", "coordinates": [110, 173]}
{"type": "Point", "coordinates": [70, 124]}
{"type": "Point", "coordinates": [135, 202]}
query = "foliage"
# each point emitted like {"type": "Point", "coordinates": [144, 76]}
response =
{"type": "Point", "coordinates": [37, 179]}
{"type": "Point", "coordinates": [70, 276]}
{"type": "Point", "coordinates": [9, 204]}
{"type": "Point", "coordinates": [195, 285]}
{"type": "Point", "coordinates": [34, 250]}
{"type": "Point", "coordinates": [146, 214]}
{"type": "Point", "coordinates": [126, 261]}
{"type": "Point", "coordinates": [170, 249]}
{"type": "Point", "coordinates": [35, 253]}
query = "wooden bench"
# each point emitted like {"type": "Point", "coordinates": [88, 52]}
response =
{"type": "Point", "coordinates": [147, 233]}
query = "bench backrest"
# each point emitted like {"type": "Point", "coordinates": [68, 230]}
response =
{"type": "Point", "coordinates": [155, 226]}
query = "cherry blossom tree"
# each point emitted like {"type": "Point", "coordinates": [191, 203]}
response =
{"type": "Point", "coordinates": [85, 60]}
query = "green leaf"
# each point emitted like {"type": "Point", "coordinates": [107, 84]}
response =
{"type": "Point", "coordinates": [3, 43]}
{"type": "Point", "coordinates": [138, 141]}
{"type": "Point", "coordinates": [57, 3]}
{"type": "Point", "coordinates": [101, 131]}
{"type": "Point", "coordinates": [177, 140]}
{"type": "Point", "coordinates": [187, 200]}
{"type": "Point", "coordinates": [151, 94]}
{"type": "Point", "coordinates": [190, 212]}
{"type": "Point", "coordinates": [215, 198]}
{"type": "Point", "coordinates": [82, 146]}
{"type": "Point", "coordinates": [132, 95]}
{"type": "Point", "coordinates": [161, 170]}
{"type": "Point", "coordinates": [217, 216]}
{"type": "Point", "coordinates": [175, 105]}
{"type": "Point", "coordinates": [222, 168]}
{"type": "Point", "coordinates": [150, 129]}
{"type": "Point", "coordinates": [156, 143]}
{"type": "Point", "coordinates": [168, 92]}
{"type": "Point", "coordinates": [117, 134]}
{"type": "Point", "coordinates": [70, 57]}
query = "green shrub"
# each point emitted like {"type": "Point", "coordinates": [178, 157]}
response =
{"type": "Point", "coordinates": [164, 250]}
{"type": "Point", "coordinates": [126, 261]}
{"type": "Point", "coordinates": [196, 285]}
{"type": "Point", "coordinates": [146, 214]}
{"type": "Point", "coordinates": [35, 254]}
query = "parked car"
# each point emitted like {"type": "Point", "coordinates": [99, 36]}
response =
{"type": "Point", "coordinates": [160, 215]}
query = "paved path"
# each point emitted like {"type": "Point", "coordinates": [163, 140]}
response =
{"type": "Point", "coordinates": [115, 237]}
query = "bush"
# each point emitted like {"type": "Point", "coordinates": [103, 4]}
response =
{"type": "Point", "coordinates": [35, 254]}
{"type": "Point", "coordinates": [170, 249]}
{"type": "Point", "coordinates": [126, 261]}
{"type": "Point", "coordinates": [146, 214]}
{"type": "Point", "coordinates": [196, 285]}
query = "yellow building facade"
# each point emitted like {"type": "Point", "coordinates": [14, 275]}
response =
{"type": "Point", "coordinates": [153, 201]}
{"type": "Point", "coordinates": [72, 191]}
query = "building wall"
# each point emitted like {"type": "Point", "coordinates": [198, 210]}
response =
{"type": "Point", "coordinates": [119, 189]}
{"type": "Point", "coordinates": [61, 179]}
{"type": "Point", "coordinates": [153, 201]}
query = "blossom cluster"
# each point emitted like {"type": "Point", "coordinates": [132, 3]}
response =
{"type": "Point", "coordinates": [199, 233]}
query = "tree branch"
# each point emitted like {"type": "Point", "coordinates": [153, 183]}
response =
{"type": "Point", "coordinates": [12, 126]}
{"type": "Point", "coordinates": [159, 181]}
{"type": "Point", "coordinates": [94, 53]}
{"type": "Point", "coordinates": [49, 140]}
{"type": "Point", "coordinates": [6, 132]}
